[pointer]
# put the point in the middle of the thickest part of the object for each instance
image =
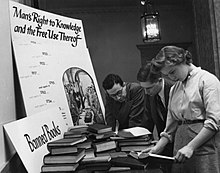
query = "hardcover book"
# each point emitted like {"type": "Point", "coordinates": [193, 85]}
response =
{"type": "Point", "coordinates": [135, 148]}
{"type": "Point", "coordinates": [86, 144]}
{"type": "Point", "coordinates": [94, 167]}
{"type": "Point", "coordinates": [96, 159]}
{"type": "Point", "coordinates": [64, 158]}
{"type": "Point", "coordinates": [59, 167]}
{"type": "Point", "coordinates": [113, 154]}
{"type": "Point", "coordinates": [133, 143]}
{"type": "Point", "coordinates": [151, 156]}
{"type": "Point", "coordinates": [128, 162]}
{"type": "Point", "coordinates": [104, 146]}
{"type": "Point", "coordinates": [119, 169]}
{"type": "Point", "coordinates": [101, 136]}
{"type": "Point", "coordinates": [118, 154]}
{"type": "Point", "coordinates": [82, 128]}
{"type": "Point", "coordinates": [62, 150]}
{"type": "Point", "coordinates": [73, 134]}
{"type": "Point", "coordinates": [89, 153]}
{"type": "Point", "coordinates": [66, 142]}
{"type": "Point", "coordinates": [139, 138]}
{"type": "Point", "coordinates": [99, 128]}
{"type": "Point", "coordinates": [134, 132]}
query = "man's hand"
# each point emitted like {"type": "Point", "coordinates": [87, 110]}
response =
{"type": "Point", "coordinates": [183, 154]}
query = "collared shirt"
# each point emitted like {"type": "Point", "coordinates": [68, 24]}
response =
{"type": "Point", "coordinates": [161, 94]}
{"type": "Point", "coordinates": [196, 98]}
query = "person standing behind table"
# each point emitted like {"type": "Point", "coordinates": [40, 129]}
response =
{"type": "Point", "coordinates": [125, 103]}
{"type": "Point", "coordinates": [193, 119]}
{"type": "Point", "coordinates": [158, 90]}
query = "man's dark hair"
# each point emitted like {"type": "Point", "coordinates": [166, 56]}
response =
{"type": "Point", "coordinates": [110, 80]}
{"type": "Point", "coordinates": [145, 74]}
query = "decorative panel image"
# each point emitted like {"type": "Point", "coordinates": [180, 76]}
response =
{"type": "Point", "coordinates": [82, 97]}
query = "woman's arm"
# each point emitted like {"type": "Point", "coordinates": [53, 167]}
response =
{"type": "Point", "coordinates": [159, 147]}
{"type": "Point", "coordinates": [187, 151]}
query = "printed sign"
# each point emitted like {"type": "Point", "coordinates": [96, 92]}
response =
{"type": "Point", "coordinates": [30, 136]}
{"type": "Point", "coordinates": [57, 80]}
{"type": "Point", "coordinates": [54, 65]}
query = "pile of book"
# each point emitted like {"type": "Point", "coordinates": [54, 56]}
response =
{"type": "Point", "coordinates": [63, 155]}
{"type": "Point", "coordinates": [95, 148]}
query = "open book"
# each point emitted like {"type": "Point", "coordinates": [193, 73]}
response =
{"type": "Point", "coordinates": [157, 157]}
{"type": "Point", "coordinates": [133, 132]}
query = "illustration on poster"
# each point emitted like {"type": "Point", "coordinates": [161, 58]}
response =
{"type": "Point", "coordinates": [82, 97]}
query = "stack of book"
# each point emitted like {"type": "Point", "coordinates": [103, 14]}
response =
{"type": "Point", "coordinates": [135, 144]}
{"type": "Point", "coordinates": [95, 148]}
{"type": "Point", "coordinates": [78, 128]}
{"type": "Point", "coordinates": [79, 131]}
{"type": "Point", "coordinates": [98, 163]}
{"type": "Point", "coordinates": [63, 155]}
{"type": "Point", "coordinates": [100, 135]}
{"type": "Point", "coordinates": [133, 139]}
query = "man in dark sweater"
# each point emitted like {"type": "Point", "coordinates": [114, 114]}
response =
{"type": "Point", "coordinates": [125, 103]}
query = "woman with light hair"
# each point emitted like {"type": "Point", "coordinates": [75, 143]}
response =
{"type": "Point", "coordinates": [193, 119]}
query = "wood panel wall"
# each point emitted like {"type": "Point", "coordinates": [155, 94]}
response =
{"type": "Point", "coordinates": [205, 35]}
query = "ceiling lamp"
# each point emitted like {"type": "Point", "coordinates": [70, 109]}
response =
{"type": "Point", "coordinates": [149, 22]}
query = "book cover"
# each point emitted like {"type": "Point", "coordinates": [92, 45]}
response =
{"type": "Point", "coordinates": [135, 148]}
{"type": "Point", "coordinates": [119, 169]}
{"type": "Point", "coordinates": [161, 158]}
{"type": "Point", "coordinates": [134, 132]}
{"type": "Point", "coordinates": [104, 146]}
{"type": "Point", "coordinates": [82, 128]}
{"type": "Point", "coordinates": [90, 152]}
{"type": "Point", "coordinates": [96, 159]}
{"type": "Point", "coordinates": [66, 142]}
{"type": "Point", "coordinates": [128, 162]}
{"type": "Point", "coordinates": [101, 136]}
{"type": "Point", "coordinates": [59, 167]}
{"type": "Point", "coordinates": [112, 154]}
{"type": "Point", "coordinates": [99, 128]}
{"type": "Point", "coordinates": [133, 143]}
{"type": "Point", "coordinates": [73, 134]}
{"type": "Point", "coordinates": [86, 144]}
{"type": "Point", "coordinates": [64, 158]}
{"type": "Point", "coordinates": [118, 154]}
{"type": "Point", "coordinates": [139, 138]}
{"type": "Point", "coordinates": [151, 156]}
{"type": "Point", "coordinates": [62, 150]}
{"type": "Point", "coordinates": [93, 167]}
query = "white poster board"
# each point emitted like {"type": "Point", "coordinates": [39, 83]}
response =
{"type": "Point", "coordinates": [30, 136]}
{"type": "Point", "coordinates": [54, 64]}
{"type": "Point", "coordinates": [55, 73]}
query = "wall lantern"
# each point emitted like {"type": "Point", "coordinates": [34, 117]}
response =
{"type": "Point", "coordinates": [149, 22]}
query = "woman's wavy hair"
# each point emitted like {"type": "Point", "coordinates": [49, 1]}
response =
{"type": "Point", "coordinates": [170, 56]}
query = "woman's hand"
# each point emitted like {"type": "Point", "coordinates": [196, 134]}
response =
{"type": "Point", "coordinates": [150, 150]}
{"type": "Point", "coordinates": [183, 154]}
{"type": "Point", "coordinates": [155, 149]}
{"type": "Point", "coordinates": [186, 152]}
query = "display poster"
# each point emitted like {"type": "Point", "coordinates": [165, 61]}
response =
{"type": "Point", "coordinates": [57, 80]}
{"type": "Point", "coordinates": [54, 65]}
{"type": "Point", "coordinates": [30, 136]}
